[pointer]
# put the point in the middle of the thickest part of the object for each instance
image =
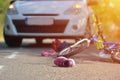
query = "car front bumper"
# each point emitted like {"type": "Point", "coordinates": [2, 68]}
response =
{"type": "Point", "coordinates": [15, 26]}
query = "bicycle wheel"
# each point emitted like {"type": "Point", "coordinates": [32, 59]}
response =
{"type": "Point", "coordinates": [116, 57]}
{"type": "Point", "coordinates": [75, 48]}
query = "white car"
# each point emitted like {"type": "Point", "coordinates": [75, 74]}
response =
{"type": "Point", "coordinates": [46, 19]}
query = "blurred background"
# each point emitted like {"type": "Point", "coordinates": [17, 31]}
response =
{"type": "Point", "coordinates": [108, 12]}
{"type": "Point", "coordinates": [3, 8]}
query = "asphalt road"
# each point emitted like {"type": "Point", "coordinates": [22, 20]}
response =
{"type": "Point", "coordinates": [26, 63]}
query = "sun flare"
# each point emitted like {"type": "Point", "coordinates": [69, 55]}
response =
{"type": "Point", "coordinates": [108, 12]}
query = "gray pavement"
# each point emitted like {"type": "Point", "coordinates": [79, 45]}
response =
{"type": "Point", "coordinates": [26, 63]}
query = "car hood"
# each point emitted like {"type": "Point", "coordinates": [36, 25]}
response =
{"type": "Point", "coordinates": [35, 7]}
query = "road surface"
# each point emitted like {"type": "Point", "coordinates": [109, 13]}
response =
{"type": "Point", "coordinates": [26, 63]}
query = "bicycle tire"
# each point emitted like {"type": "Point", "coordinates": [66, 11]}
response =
{"type": "Point", "coordinates": [75, 48]}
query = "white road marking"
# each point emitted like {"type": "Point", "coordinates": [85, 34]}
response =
{"type": "Point", "coordinates": [1, 67]}
{"type": "Point", "coordinates": [13, 55]}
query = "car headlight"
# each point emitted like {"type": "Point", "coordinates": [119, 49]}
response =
{"type": "Point", "coordinates": [77, 6]}
{"type": "Point", "coordinates": [11, 6]}
{"type": "Point", "coordinates": [12, 10]}
{"type": "Point", "coordinates": [75, 9]}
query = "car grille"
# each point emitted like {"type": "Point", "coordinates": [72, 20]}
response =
{"type": "Point", "coordinates": [40, 14]}
{"type": "Point", "coordinates": [57, 27]}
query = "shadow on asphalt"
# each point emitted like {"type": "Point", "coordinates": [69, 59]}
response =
{"type": "Point", "coordinates": [26, 45]}
{"type": "Point", "coordinates": [36, 45]}
{"type": "Point", "coordinates": [90, 54]}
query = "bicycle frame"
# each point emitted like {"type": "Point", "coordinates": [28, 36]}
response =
{"type": "Point", "coordinates": [112, 48]}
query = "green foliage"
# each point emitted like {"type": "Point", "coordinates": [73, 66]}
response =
{"type": "Point", "coordinates": [3, 8]}
{"type": "Point", "coordinates": [3, 5]}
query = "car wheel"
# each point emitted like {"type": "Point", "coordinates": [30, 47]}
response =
{"type": "Point", "coordinates": [12, 41]}
{"type": "Point", "coordinates": [39, 40]}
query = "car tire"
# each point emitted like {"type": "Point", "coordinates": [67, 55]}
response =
{"type": "Point", "coordinates": [12, 41]}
